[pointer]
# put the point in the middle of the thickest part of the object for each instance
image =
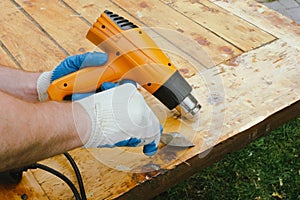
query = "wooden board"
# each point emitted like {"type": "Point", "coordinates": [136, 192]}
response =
{"type": "Point", "coordinates": [63, 25]}
{"type": "Point", "coordinates": [231, 28]}
{"type": "Point", "coordinates": [242, 97]}
{"type": "Point", "coordinates": [6, 60]}
{"type": "Point", "coordinates": [264, 18]}
{"type": "Point", "coordinates": [26, 42]}
{"type": "Point", "coordinates": [91, 10]}
{"type": "Point", "coordinates": [216, 48]}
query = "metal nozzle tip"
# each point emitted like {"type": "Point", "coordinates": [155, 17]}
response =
{"type": "Point", "coordinates": [189, 107]}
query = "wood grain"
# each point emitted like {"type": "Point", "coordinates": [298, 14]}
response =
{"type": "Point", "coordinates": [172, 43]}
{"type": "Point", "coordinates": [63, 25]}
{"type": "Point", "coordinates": [266, 19]}
{"type": "Point", "coordinates": [6, 60]}
{"type": "Point", "coordinates": [92, 9]}
{"type": "Point", "coordinates": [231, 28]}
{"type": "Point", "coordinates": [26, 42]}
{"type": "Point", "coordinates": [215, 48]}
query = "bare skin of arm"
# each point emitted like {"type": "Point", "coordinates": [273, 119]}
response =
{"type": "Point", "coordinates": [33, 131]}
{"type": "Point", "coordinates": [19, 83]}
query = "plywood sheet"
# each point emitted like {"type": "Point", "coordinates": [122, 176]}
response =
{"type": "Point", "coordinates": [264, 18]}
{"type": "Point", "coordinates": [231, 28]}
{"type": "Point", "coordinates": [26, 42]}
{"type": "Point", "coordinates": [235, 96]}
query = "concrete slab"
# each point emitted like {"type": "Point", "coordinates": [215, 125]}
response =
{"type": "Point", "coordinates": [275, 5]}
{"type": "Point", "coordinates": [289, 3]}
{"type": "Point", "coordinates": [289, 8]}
{"type": "Point", "coordinates": [294, 14]}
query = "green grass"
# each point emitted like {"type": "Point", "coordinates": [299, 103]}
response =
{"type": "Point", "coordinates": [268, 168]}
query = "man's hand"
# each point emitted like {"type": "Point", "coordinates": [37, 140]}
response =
{"type": "Point", "coordinates": [119, 116]}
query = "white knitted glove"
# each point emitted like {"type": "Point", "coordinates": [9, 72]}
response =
{"type": "Point", "coordinates": [42, 85]}
{"type": "Point", "coordinates": [121, 117]}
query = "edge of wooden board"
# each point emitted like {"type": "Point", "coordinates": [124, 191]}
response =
{"type": "Point", "coordinates": [197, 163]}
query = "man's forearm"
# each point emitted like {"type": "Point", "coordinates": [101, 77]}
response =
{"type": "Point", "coordinates": [31, 132]}
{"type": "Point", "coordinates": [19, 83]}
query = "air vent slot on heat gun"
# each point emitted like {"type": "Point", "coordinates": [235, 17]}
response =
{"type": "Point", "coordinates": [123, 23]}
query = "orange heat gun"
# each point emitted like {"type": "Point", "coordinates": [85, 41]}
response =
{"type": "Point", "coordinates": [133, 55]}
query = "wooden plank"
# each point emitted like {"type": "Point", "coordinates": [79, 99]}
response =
{"type": "Point", "coordinates": [76, 27]}
{"type": "Point", "coordinates": [214, 47]}
{"type": "Point", "coordinates": [28, 188]}
{"type": "Point", "coordinates": [27, 43]}
{"type": "Point", "coordinates": [233, 29]}
{"type": "Point", "coordinates": [92, 9]}
{"type": "Point", "coordinates": [63, 25]}
{"type": "Point", "coordinates": [265, 18]}
{"type": "Point", "coordinates": [176, 45]}
{"type": "Point", "coordinates": [5, 60]}
{"type": "Point", "coordinates": [236, 97]}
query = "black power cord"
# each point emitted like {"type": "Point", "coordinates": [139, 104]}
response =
{"type": "Point", "coordinates": [58, 174]}
{"type": "Point", "coordinates": [82, 195]}
{"type": "Point", "coordinates": [78, 175]}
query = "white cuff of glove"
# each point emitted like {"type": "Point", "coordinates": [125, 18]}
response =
{"type": "Point", "coordinates": [119, 114]}
{"type": "Point", "coordinates": [43, 83]}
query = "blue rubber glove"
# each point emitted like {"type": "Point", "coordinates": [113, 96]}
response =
{"type": "Point", "coordinates": [77, 62]}
{"type": "Point", "coordinates": [69, 65]}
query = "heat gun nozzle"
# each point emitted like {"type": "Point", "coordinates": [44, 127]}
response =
{"type": "Point", "coordinates": [189, 107]}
